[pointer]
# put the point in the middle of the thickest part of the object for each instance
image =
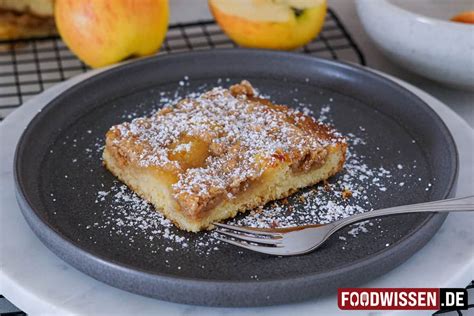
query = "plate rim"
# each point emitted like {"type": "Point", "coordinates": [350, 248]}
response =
{"type": "Point", "coordinates": [34, 220]}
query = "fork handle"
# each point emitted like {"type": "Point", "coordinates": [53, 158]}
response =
{"type": "Point", "coordinates": [448, 205]}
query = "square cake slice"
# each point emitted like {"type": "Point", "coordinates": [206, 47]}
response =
{"type": "Point", "coordinates": [205, 159]}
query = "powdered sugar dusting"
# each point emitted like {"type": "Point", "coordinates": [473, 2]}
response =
{"type": "Point", "coordinates": [244, 136]}
{"type": "Point", "coordinates": [127, 215]}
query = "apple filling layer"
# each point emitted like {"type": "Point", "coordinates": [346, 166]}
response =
{"type": "Point", "coordinates": [227, 151]}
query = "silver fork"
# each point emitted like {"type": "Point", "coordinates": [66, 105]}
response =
{"type": "Point", "coordinates": [303, 239]}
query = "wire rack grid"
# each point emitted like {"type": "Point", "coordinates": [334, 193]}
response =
{"type": "Point", "coordinates": [29, 66]}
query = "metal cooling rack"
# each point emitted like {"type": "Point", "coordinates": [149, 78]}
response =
{"type": "Point", "coordinates": [29, 66]}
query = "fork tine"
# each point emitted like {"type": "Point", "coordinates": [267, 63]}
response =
{"type": "Point", "coordinates": [261, 240]}
{"type": "Point", "coordinates": [249, 230]}
{"type": "Point", "coordinates": [278, 250]}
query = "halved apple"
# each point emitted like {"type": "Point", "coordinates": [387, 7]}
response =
{"type": "Point", "coordinates": [272, 24]}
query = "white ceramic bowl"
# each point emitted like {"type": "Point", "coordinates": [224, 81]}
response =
{"type": "Point", "coordinates": [419, 36]}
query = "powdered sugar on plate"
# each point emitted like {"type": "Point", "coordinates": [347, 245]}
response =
{"type": "Point", "coordinates": [354, 190]}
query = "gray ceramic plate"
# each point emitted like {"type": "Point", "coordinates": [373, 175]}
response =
{"type": "Point", "coordinates": [59, 174]}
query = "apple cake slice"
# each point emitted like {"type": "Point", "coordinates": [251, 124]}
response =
{"type": "Point", "coordinates": [227, 151]}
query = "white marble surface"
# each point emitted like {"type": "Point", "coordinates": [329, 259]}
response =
{"type": "Point", "coordinates": [41, 284]}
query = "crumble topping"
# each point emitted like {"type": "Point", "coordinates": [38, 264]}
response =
{"type": "Point", "coordinates": [222, 139]}
{"type": "Point", "coordinates": [126, 215]}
